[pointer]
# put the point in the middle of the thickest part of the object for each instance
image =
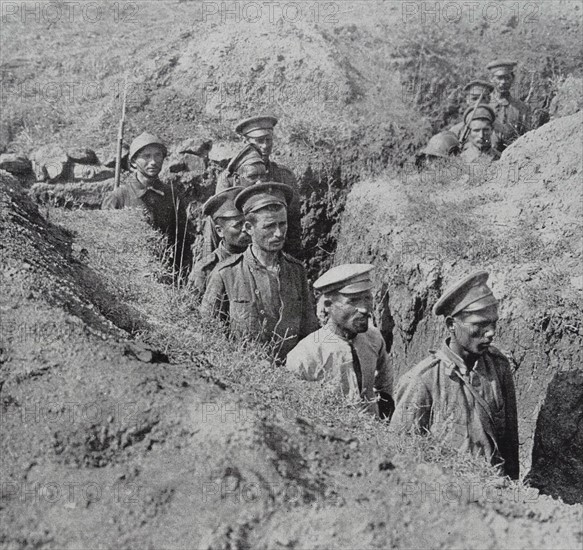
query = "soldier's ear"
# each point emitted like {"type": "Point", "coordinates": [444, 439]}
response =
{"type": "Point", "coordinates": [247, 227]}
{"type": "Point", "coordinates": [449, 323]}
{"type": "Point", "coordinates": [219, 229]}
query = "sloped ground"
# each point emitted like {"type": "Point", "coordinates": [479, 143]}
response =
{"type": "Point", "coordinates": [522, 222]}
{"type": "Point", "coordinates": [105, 444]}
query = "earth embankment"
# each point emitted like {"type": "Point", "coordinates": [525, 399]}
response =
{"type": "Point", "coordinates": [521, 221]}
{"type": "Point", "coordinates": [127, 422]}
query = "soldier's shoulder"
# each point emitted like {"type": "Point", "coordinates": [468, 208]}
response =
{"type": "Point", "coordinates": [425, 367]}
{"type": "Point", "coordinates": [500, 358]}
{"type": "Point", "coordinates": [292, 260]}
{"type": "Point", "coordinates": [229, 262]}
{"type": "Point", "coordinates": [209, 261]}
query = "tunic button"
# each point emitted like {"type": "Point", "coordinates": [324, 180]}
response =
{"type": "Point", "coordinates": [262, 312]}
{"type": "Point", "coordinates": [257, 292]}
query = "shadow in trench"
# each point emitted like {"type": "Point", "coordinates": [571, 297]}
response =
{"type": "Point", "coordinates": [557, 456]}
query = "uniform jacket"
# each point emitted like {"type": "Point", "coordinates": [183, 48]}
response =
{"type": "Point", "coordinates": [324, 355]}
{"type": "Point", "coordinates": [435, 396]}
{"type": "Point", "coordinates": [257, 302]}
{"type": "Point", "coordinates": [156, 200]}
{"type": "Point", "coordinates": [202, 268]}
{"type": "Point", "coordinates": [513, 118]}
{"type": "Point", "coordinates": [472, 155]}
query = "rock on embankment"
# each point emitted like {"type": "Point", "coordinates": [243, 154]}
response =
{"type": "Point", "coordinates": [522, 224]}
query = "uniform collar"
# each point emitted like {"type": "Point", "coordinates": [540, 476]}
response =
{"type": "Point", "coordinates": [502, 100]}
{"type": "Point", "coordinates": [340, 333]}
{"type": "Point", "coordinates": [255, 263]}
{"type": "Point", "coordinates": [140, 189]}
{"type": "Point", "coordinates": [453, 360]}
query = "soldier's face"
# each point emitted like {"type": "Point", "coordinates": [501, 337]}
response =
{"type": "Point", "coordinates": [350, 313]}
{"type": "Point", "coordinates": [264, 144]}
{"type": "Point", "coordinates": [503, 81]}
{"type": "Point", "coordinates": [249, 174]}
{"type": "Point", "coordinates": [474, 332]}
{"type": "Point", "coordinates": [474, 94]}
{"type": "Point", "coordinates": [268, 230]}
{"type": "Point", "coordinates": [149, 160]}
{"type": "Point", "coordinates": [233, 232]}
{"type": "Point", "coordinates": [480, 133]}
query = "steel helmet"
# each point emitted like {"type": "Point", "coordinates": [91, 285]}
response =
{"type": "Point", "coordinates": [143, 140]}
{"type": "Point", "coordinates": [443, 145]}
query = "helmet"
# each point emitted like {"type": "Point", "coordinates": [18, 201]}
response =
{"type": "Point", "coordinates": [443, 144]}
{"type": "Point", "coordinates": [143, 140]}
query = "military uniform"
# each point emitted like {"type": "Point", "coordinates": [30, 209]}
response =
{"type": "Point", "coordinates": [354, 360]}
{"type": "Point", "coordinates": [473, 408]}
{"type": "Point", "coordinates": [513, 116]}
{"type": "Point", "coordinates": [219, 206]}
{"type": "Point", "coordinates": [472, 155]}
{"type": "Point", "coordinates": [440, 395]}
{"type": "Point", "coordinates": [203, 268]}
{"type": "Point", "coordinates": [328, 356]}
{"type": "Point", "coordinates": [257, 302]}
{"type": "Point", "coordinates": [513, 119]}
{"type": "Point", "coordinates": [262, 125]}
{"type": "Point", "coordinates": [158, 200]}
{"type": "Point", "coordinates": [272, 304]}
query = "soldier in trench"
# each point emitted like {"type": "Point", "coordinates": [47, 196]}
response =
{"type": "Point", "coordinates": [464, 392]}
{"type": "Point", "coordinates": [348, 352]}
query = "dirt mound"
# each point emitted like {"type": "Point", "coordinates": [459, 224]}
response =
{"type": "Point", "coordinates": [101, 439]}
{"type": "Point", "coordinates": [522, 223]}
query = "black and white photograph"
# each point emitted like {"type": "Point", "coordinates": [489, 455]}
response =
{"type": "Point", "coordinates": [294, 275]}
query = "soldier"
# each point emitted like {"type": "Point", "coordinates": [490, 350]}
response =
{"type": "Point", "coordinates": [478, 148]}
{"type": "Point", "coordinates": [464, 393]}
{"type": "Point", "coordinates": [143, 189]}
{"type": "Point", "coordinates": [263, 293]}
{"type": "Point", "coordinates": [258, 132]}
{"type": "Point", "coordinates": [228, 221]}
{"type": "Point", "coordinates": [512, 115]}
{"type": "Point", "coordinates": [473, 91]}
{"type": "Point", "coordinates": [442, 145]}
{"type": "Point", "coordinates": [244, 169]}
{"type": "Point", "coordinates": [348, 351]}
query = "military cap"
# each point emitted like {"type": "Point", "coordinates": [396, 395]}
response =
{"type": "Point", "coordinates": [143, 140]}
{"type": "Point", "coordinates": [483, 112]}
{"type": "Point", "coordinates": [222, 205]}
{"type": "Point", "coordinates": [501, 66]}
{"type": "Point", "coordinates": [470, 294]}
{"type": "Point", "coordinates": [479, 84]}
{"type": "Point", "coordinates": [247, 155]}
{"type": "Point", "coordinates": [345, 279]}
{"type": "Point", "coordinates": [256, 126]}
{"type": "Point", "coordinates": [260, 195]}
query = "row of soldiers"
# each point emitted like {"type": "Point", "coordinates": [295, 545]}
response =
{"type": "Point", "coordinates": [249, 280]}
{"type": "Point", "coordinates": [492, 120]}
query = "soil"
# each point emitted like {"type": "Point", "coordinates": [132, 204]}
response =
{"type": "Point", "coordinates": [521, 222]}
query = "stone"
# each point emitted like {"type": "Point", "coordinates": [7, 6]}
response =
{"type": "Point", "coordinates": [83, 155]}
{"type": "Point", "coordinates": [50, 163]}
{"type": "Point", "coordinates": [88, 172]}
{"type": "Point", "coordinates": [15, 164]}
